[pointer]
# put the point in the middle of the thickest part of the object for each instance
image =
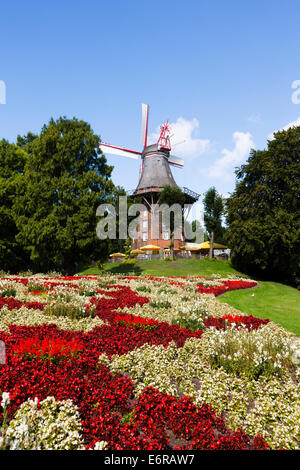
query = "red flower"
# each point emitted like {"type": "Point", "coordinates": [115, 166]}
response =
{"type": "Point", "coordinates": [64, 364]}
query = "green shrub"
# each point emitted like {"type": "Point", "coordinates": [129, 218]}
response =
{"type": "Point", "coordinates": [143, 289]}
{"type": "Point", "coordinates": [32, 286]}
{"type": "Point", "coordinates": [129, 418]}
{"type": "Point", "coordinates": [53, 274]}
{"type": "Point", "coordinates": [3, 273]}
{"type": "Point", "coordinates": [165, 290]}
{"type": "Point", "coordinates": [9, 292]}
{"type": "Point", "coordinates": [88, 293]}
{"type": "Point", "coordinates": [25, 273]}
{"type": "Point", "coordinates": [105, 283]}
{"type": "Point", "coordinates": [62, 297]}
{"type": "Point", "coordinates": [129, 261]}
{"type": "Point", "coordinates": [65, 310]}
{"type": "Point", "coordinates": [100, 265]}
{"type": "Point", "coordinates": [189, 323]}
{"type": "Point", "coordinates": [165, 304]}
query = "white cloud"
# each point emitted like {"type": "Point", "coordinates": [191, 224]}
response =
{"type": "Point", "coordinates": [183, 133]}
{"type": "Point", "coordinates": [223, 167]}
{"type": "Point", "coordinates": [285, 128]}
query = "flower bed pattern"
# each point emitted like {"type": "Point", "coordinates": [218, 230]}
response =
{"type": "Point", "coordinates": [97, 369]}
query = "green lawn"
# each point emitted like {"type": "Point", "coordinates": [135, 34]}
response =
{"type": "Point", "coordinates": [183, 267]}
{"type": "Point", "coordinates": [278, 302]}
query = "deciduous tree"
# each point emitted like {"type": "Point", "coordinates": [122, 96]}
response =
{"type": "Point", "coordinates": [213, 211]}
{"type": "Point", "coordinates": [65, 178]}
{"type": "Point", "coordinates": [264, 210]}
{"type": "Point", "coordinates": [12, 161]}
{"type": "Point", "coordinates": [171, 195]}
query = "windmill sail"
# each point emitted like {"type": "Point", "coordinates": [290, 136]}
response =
{"type": "Point", "coordinates": [176, 161]}
{"type": "Point", "coordinates": [144, 132]}
{"type": "Point", "coordinates": [123, 152]}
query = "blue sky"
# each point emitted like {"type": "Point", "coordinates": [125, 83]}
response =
{"type": "Point", "coordinates": [220, 71]}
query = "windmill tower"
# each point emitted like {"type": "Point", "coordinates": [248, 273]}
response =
{"type": "Point", "coordinates": [155, 173]}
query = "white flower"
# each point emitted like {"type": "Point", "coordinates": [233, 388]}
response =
{"type": "Point", "coordinates": [100, 445]}
{"type": "Point", "coordinates": [5, 399]}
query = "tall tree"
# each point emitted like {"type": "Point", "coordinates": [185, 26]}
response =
{"type": "Point", "coordinates": [12, 161]}
{"type": "Point", "coordinates": [171, 195]}
{"type": "Point", "coordinates": [264, 210]}
{"type": "Point", "coordinates": [65, 178]}
{"type": "Point", "coordinates": [213, 211]}
{"type": "Point", "coordinates": [196, 227]}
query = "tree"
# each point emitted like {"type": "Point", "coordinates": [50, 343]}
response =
{"type": "Point", "coordinates": [172, 195]}
{"type": "Point", "coordinates": [65, 179]}
{"type": "Point", "coordinates": [196, 227]}
{"type": "Point", "coordinates": [127, 248]}
{"type": "Point", "coordinates": [12, 161]}
{"type": "Point", "coordinates": [264, 210]}
{"type": "Point", "coordinates": [213, 211]}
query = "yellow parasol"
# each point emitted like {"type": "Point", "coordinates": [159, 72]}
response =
{"type": "Point", "coordinates": [203, 246]}
{"type": "Point", "coordinates": [117, 255]}
{"type": "Point", "coordinates": [150, 248]}
{"type": "Point", "coordinates": [192, 247]}
{"type": "Point", "coordinates": [137, 252]}
{"type": "Point", "coordinates": [216, 246]}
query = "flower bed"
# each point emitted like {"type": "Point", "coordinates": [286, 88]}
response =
{"type": "Point", "coordinates": [226, 286]}
{"type": "Point", "coordinates": [250, 322]}
{"type": "Point", "coordinates": [140, 363]}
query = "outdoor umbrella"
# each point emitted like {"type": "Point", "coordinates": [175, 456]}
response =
{"type": "Point", "coordinates": [117, 255]}
{"type": "Point", "coordinates": [150, 248]}
{"type": "Point", "coordinates": [216, 246]}
{"type": "Point", "coordinates": [203, 246]}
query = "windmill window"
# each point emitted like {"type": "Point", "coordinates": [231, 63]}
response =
{"type": "Point", "coordinates": [166, 235]}
{"type": "Point", "coordinates": [145, 223]}
{"type": "Point", "coordinates": [145, 237]}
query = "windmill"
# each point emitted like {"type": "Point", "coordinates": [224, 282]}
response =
{"type": "Point", "coordinates": [155, 173]}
